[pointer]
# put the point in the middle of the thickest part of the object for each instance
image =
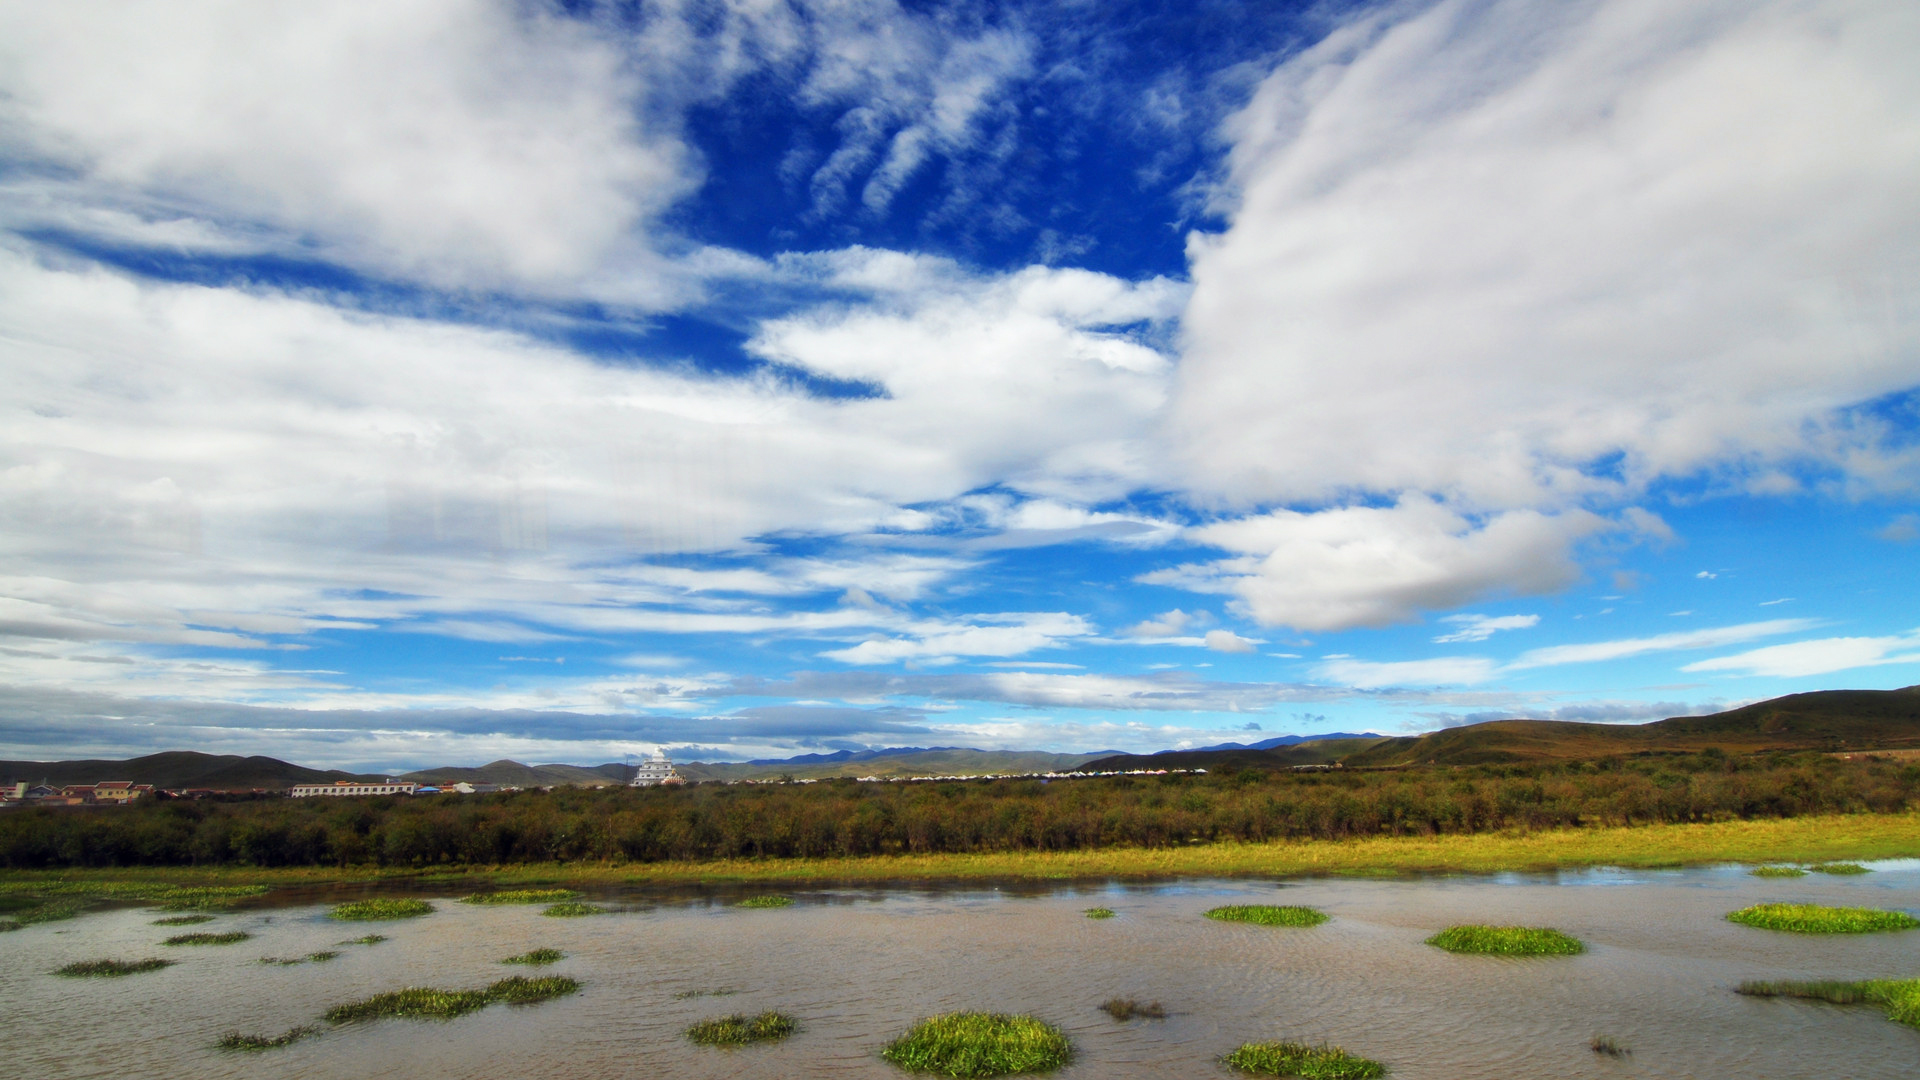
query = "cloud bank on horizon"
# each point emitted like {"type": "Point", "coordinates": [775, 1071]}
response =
{"type": "Point", "coordinates": [438, 380]}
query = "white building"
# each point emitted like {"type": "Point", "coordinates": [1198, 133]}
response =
{"type": "Point", "coordinates": [353, 787]}
{"type": "Point", "coordinates": [655, 770]}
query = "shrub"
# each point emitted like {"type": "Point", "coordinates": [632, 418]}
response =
{"type": "Point", "coordinates": [1269, 915]}
{"type": "Point", "coordinates": [971, 1044]}
{"type": "Point", "coordinates": [1506, 941]}
{"type": "Point", "coordinates": [1817, 919]}
{"type": "Point", "coordinates": [111, 968]}
{"type": "Point", "coordinates": [1299, 1059]}
{"type": "Point", "coordinates": [738, 1030]}
{"type": "Point", "coordinates": [379, 909]}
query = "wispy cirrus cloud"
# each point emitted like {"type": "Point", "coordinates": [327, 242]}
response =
{"type": "Point", "coordinates": [1817, 656]}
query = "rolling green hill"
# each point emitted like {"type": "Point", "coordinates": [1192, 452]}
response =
{"type": "Point", "coordinates": [177, 769]}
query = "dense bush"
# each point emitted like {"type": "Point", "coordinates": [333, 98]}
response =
{"type": "Point", "coordinates": [709, 821]}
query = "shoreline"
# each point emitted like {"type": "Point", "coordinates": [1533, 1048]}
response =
{"type": "Point", "coordinates": [1827, 838]}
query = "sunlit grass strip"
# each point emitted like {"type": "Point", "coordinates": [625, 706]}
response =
{"type": "Point", "coordinates": [1099, 913]}
{"type": "Point", "coordinates": [166, 894]}
{"type": "Point", "coordinates": [766, 902]}
{"type": "Point", "coordinates": [522, 896]}
{"type": "Point", "coordinates": [739, 1030]}
{"type": "Point", "coordinates": [183, 920]}
{"type": "Point", "coordinates": [231, 937]}
{"type": "Point", "coordinates": [86, 969]}
{"type": "Point", "coordinates": [572, 910]}
{"type": "Point", "coordinates": [1777, 871]}
{"type": "Point", "coordinates": [234, 1040]}
{"type": "Point", "coordinates": [1269, 914]}
{"type": "Point", "coordinates": [1506, 941]}
{"type": "Point", "coordinates": [1899, 997]}
{"type": "Point", "coordinates": [1299, 1059]}
{"type": "Point", "coordinates": [1839, 869]}
{"type": "Point", "coordinates": [537, 957]}
{"type": "Point", "coordinates": [1817, 919]}
{"type": "Point", "coordinates": [380, 908]}
{"type": "Point", "coordinates": [970, 1044]}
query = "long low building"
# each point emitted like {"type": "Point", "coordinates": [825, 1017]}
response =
{"type": "Point", "coordinates": [353, 787]}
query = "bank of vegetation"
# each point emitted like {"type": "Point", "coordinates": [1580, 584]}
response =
{"type": "Point", "coordinates": [851, 819]}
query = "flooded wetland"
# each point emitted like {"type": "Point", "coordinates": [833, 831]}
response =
{"type": "Point", "coordinates": [855, 967]}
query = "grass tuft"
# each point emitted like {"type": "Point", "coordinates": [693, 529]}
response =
{"type": "Point", "coordinates": [725, 991]}
{"type": "Point", "coordinates": [1124, 1009]}
{"type": "Point", "coordinates": [183, 920]}
{"type": "Point", "coordinates": [1099, 913]}
{"type": "Point", "coordinates": [1817, 919]}
{"type": "Point", "coordinates": [228, 938]}
{"type": "Point", "coordinates": [413, 1003]}
{"type": "Point", "coordinates": [255, 1043]}
{"type": "Point", "coordinates": [537, 958]}
{"type": "Point", "coordinates": [1299, 1059]}
{"type": "Point", "coordinates": [971, 1044]}
{"type": "Point", "coordinates": [110, 968]}
{"type": "Point", "coordinates": [1839, 869]}
{"type": "Point", "coordinates": [522, 896]}
{"type": "Point", "coordinates": [738, 1030]}
{"type": "Point", "coordinates": [1777, 871]}
{"type": "Point", "coordinates": [1609, 1046]}
{"type": "Point", "coordinates": [1506, 941]}
{"type": "Point", "coordinates": [1269, 915]}
{"type": "Point", "coordinates": [521, 990]}
{"type": "Point", "coordinates": [572, 910]}
{"type": "Point", "coordinates": [370, 939]}
{"type": "Point", "coordinates": [1899, 997]}
{"type": "Point", "coordinates": [310, 958]}
{"type": "Point", "coordinates": [380, 908]}
{"type": "Point", "coordinates": [766, 902]}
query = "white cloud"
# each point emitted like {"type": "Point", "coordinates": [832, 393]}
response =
{"type": "Point", "coordinates": [1482, 627]}
{"type": "Point", "coordinates": [1478, 246]}
{"type": "Point", "coordinates": [1597, 651]}
{"type": "Point", "coordinates": [1166, 624]}
{"type": "Point", "coordinates": [1439, 671]}
{"type": "Point", "coordinates": [1227, 641]}
{"type": "Point", "coordinates": [1005, 635]}
{"type": "Point", "coordinates": [471, 142]}
{"type": "Point", "coordinates": [1818, 657]}
{"type": "Point", "coordinates": [1370, 566]}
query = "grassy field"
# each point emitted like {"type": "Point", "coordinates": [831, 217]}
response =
{"type": "Point", "coordinates": [1809, 840]}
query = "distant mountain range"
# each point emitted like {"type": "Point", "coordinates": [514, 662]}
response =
{"type": "Point", "coordinates": [1830, 720]}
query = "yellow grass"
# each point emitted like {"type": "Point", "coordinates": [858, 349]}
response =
{"type": "Point", "coordinates": [1803, 840]}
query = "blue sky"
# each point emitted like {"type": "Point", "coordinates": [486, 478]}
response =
{"type": "Point", "coordinates": [435, 381]}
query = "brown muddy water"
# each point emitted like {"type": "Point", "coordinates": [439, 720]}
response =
{"type": "Point", "coordinates": [857, 965]}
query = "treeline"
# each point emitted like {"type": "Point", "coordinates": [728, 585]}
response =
{"type": "Point", "coordinates": [844, 817]}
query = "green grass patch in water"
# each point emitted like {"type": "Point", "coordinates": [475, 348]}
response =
{"type": "Point", "coordinates": [537, 958]}
{"type": "Point", "coordinates": [971, 1044]}
{"type": "Point", "coordinates": [87, 969]}
{"type": "Point", "coordinates": [522, 896]}
{"type": "Point", "coordinates": [370, 939]}
{"type": "Point", "coordinates": [229, 938]}
{"type": "Point", "coordinates": [380, 908]}
{"type": "Point", "coordinates": [725, 991]}
{"type": "Point", "coordinates": [1098, 913]}
{"type": "Point", "coordinates": [572, 910]}
{"type": "Point", "coordinates": [234, 1040]}
{"type": "Point", "coordinates": [1269, 914]}
{"type": "Point", "coordinates": [1839, 869]}
{"type": "Point", "coordinates": [1506, 941]}
{"type": "Point", "coordinates": [1299, 1059]}
{"type": "Point", "coordinates": [427, 1003]}
{"type": "Point", "coordinates": [1777, 871]}
{"type": "Point", "coordinates": [1818, 919]}
{"type": "Point", "coordinates": [183, 920]}
{"type": "Point", "coordinates": [1899, 997]}
{"type": "Point", "coordinates": [310, 958]}
{"type": "Point", "coordinates": [1124, 1009]}
{"type": "Point", "coordinates": [766, 902]}
{"type": "Point", "coordinates": [739, 1030]}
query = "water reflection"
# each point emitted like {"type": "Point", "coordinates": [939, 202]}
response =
{"type": "Point", "coordinates": [857, 964]}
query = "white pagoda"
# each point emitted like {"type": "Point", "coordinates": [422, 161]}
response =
{"type": "Point", "coordinates": [655, 770]}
